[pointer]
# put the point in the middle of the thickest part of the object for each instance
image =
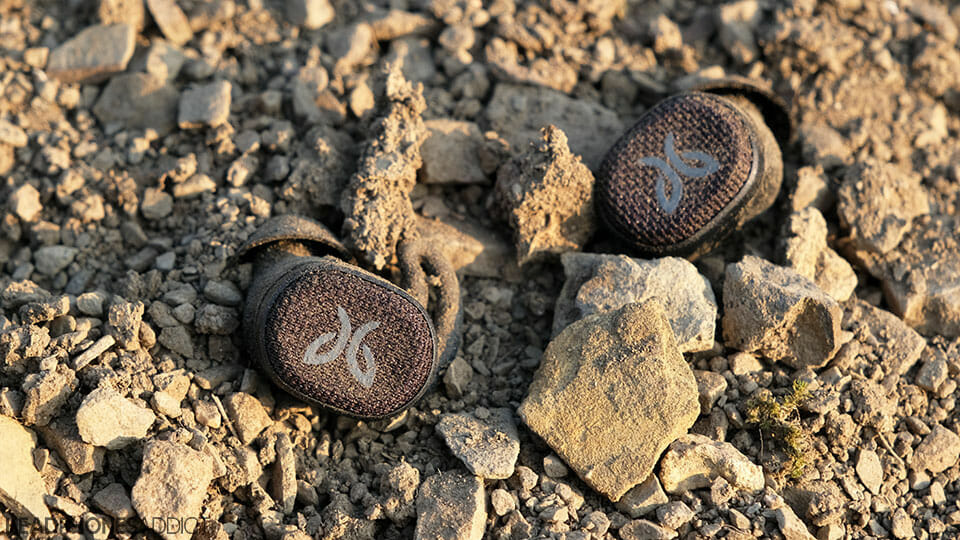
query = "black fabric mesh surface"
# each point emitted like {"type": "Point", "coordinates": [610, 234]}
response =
{"type": "Point", "coordinates": [402, 345]}
{"type": "Point", "coordinates": [626, 197]}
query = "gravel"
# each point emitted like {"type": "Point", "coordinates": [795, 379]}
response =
{"type": "Point", "coordinates": [292, 107]}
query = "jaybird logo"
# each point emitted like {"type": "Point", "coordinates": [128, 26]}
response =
{"type": "Point", "coordinates": [352, 344]}
{"type": "Point", "coordinates": [669, 171]}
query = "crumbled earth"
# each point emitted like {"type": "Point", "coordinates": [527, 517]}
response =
{"type": "Point", "coordinates": [142, 142]}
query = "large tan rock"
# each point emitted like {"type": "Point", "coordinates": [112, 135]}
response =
{"type": "Point", "coordinates": [612, 392]}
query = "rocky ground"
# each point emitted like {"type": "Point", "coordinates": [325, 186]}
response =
{"type": "Point", "coordinates": [799, 381]}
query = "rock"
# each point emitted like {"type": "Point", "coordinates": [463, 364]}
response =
{"type": "Point", "coordinates": [546, 196]}
{"type": "Point", "coordinates": [518, 113]}
{"type": "Point", "coordinates": [642, 529]}
{"type": "Point", "coordinates": [806, 252]}
{"type": "Point", "coordinates": [63, 436]}
{"type": "Point", "coordinates": [643, 498]}
{"type": "Point", "coordinates": [812, 189]}
{"type": "Point", "coordinates": [451, 153]}
{"type": "Point", "coordinates": [207, 414]}
{"type": "Point", "coordinates": [601, 283]}
{"type": "Point", "coordinates": [922, 277]}
{"type": "Point", "coordinates": [790, 525]}
{"type": "Point", "coordinates": [665, 34]}
{"type": "Point", "coordinates": [588, 399]}
{"type": "Point", "coordinates": [744, 363]}
{"type": "Point", "coordinates": [93, 352]}
{"type": "Point", "coordinates": [901, 525]}
{"type": "Point", "coordinates": [416, 56]}
{"type": "Point", "coordinates": [106, 418]}
{"type": "Point", "coordinates": [877, 203]}
{"type": "Point", "coordinates": [46, 311]}
{"type": "Point", "coordinates": [11, 402]}
{"type": "Point", "coordinates": [488, 447]}
{"type": "Point", "coordinates": [173, 482]}
{"type": "Point", "coordinates": [7, 158]}
{"type": "Point", "coordinates": [138, 101]}
{"type": "Point", "coordinates": [674, 515]}
{"type": "Point", "coordinates": [285, 474]}
{"type": "Point", "coordinates": [501, 502]}
{"type": "Point", "coordinates": [25, 203]}
{"type": "Point", "coordinates": [458, 377]}
{"type": "Point", "coordinates": [781, 314]}
{"type": "Point", "coordinates": [50, 260]}
{"type": "Point", "coordinates": [222, 292]}
{"type": "Point", "coordinates": [711, 386]}
{"type": "Point", "coordinates": [399, 488]}
{"type": "Point", "coordinates": [310, 14]}
{"type": "Point", "coordinates": [389, 25]}
{"type": "Point", "coordinates": [194, 186]}
{"type": "Point", "coordinates": [123, 323]}
{"type": "Point", "coordinates": [177, 339]}
{"type": "Point", "coordinates": [156, 204]}
{"type": "Point", "coordinates": [376, 200]}
{"type": "Point", "coordinates": [937, 452]}
{"type": "Point", "coordinates": [471, 248]}
{"type": "Point", "coordinates": [932, 373]}
{"type": "Point", "coordinates": [694, 462]}
{"type": "Point", "coordinates": [21, 486]}
{"type": "Point", "coordinates": [870, 470]}
{"type": "Point", "coordinates": [897, 347]}
{"type": "Point", "coordinates": [505, 62]}
{"type": "Point", "coordinates": [171, 389]}
{"type": "Point", "coordinates": [46, 392]}
{"type": "Point", "coordinates": [13, 135]}
{"type": "Point", "coordinates": [451, 505]}
{"type": "Point", "coordinates": [164, 61]}
{"type": "Point", "coordinates": [312, 101]}
{"type": "Point", "coordinates": [247, 414]}
{"type": "Point", "coordinates": [736, 23]}
{"type": "Point", "coordinates": [217, 320]}
{"type": "Point", "coordinates": [131, 12]}
{"type": "Point", "coordinates": [205, 105]}
{"type": "Point", "coordinates": [213, 377]}
{"type": "Point", "coordinates": [20, 343]}
{"type": "Point", "coordinates": [351, 45]}
{"type": "Point", "coordinates": [823, 146]}
{"type": "Point", "coordinates": [553, 467]}
{"type": "Point", "coordinates": [171, 20]}
{"type": "Point", "coordinates": [872, 406]}
{"type": "Point", "coordinates": [114, 500]}
{"type": "Point", "coordinates": [936, 17]}
{"type": "Point", "coordinates": [93, 55]}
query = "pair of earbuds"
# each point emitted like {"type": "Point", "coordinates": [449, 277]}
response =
{"type": "Point", "coordinates": [694, 168]}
